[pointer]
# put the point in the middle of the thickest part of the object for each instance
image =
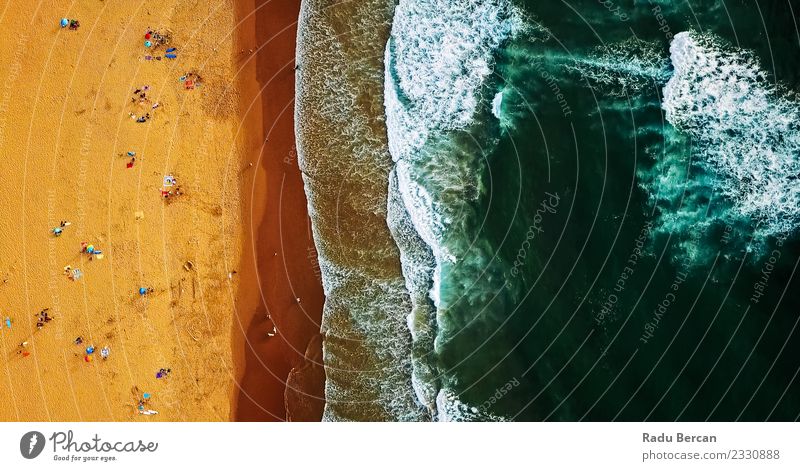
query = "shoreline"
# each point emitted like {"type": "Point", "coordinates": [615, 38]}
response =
{"type": "Point", "coordinates": [344, 154]}
{"type": "Point", "coordinates": [278, 264]}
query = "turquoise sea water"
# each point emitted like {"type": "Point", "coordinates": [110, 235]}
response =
{"type": "Point", "coordinates": [591, 207]}
{"type": "Point", "coordinates": [606, 259]}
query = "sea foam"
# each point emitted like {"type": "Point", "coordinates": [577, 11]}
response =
{"type": "Point", "coordinates": [438, 59]}
{"type": "Point", "coordinates": [746, 129]}
{"type": "Point", "coordinates": [439, 65]}
{"type": "Point", "coordinates": [622, 68]}
{"type": "Point", "coordinates": [343, 153]}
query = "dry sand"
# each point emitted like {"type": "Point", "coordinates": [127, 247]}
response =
{"type": "Point", "coordinates": [65, 101]}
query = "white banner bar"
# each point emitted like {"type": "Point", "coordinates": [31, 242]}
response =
{"type": "Point", "coordinates": [619, 446]}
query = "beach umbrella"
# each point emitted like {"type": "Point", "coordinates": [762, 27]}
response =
{"type": "Point", "coordinates": [64, 22]}
{"type": "Point", "coordinates": [87, 358]}
{"type": "Point", "coordinates": [147, 44]}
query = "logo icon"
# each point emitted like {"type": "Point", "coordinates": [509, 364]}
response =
{"type": "Point", "coordinates": [31, 445]}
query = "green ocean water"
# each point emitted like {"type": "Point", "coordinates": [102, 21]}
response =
{"type": "Point", "coordinates": [624, 291]}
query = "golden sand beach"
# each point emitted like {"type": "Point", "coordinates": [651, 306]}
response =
{"type": "Point", "coordinates": [68, 120]}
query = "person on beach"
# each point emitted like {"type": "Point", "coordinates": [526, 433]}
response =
{"type": "Point", "coordinates": [163, 372]}
{"type": "Point", "coordinates": [73, 274]}
{"type": "Point", "coordinates": [43, 318]}
{"type": "Point", "coordinates": [143, 402]}
{"type": "Point", "coordinates": [140, 97]}
{"type": "Point", "coordinates": [23, 349]}
{"type": "Point", "coordinates": [58, 230]}
{"type": "Point", "coordinates": [167, 194]}
{"type": "Point", "coordinates": [61, 226]}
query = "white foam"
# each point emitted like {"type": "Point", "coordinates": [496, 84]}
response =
{"type": "Point", "coordinates": [438, 61]}
{"type": "Point", "coordinates": [497, 105]}
{"type": "Point", "coordinates": [439, 57]}
{"type": "Point", "coordinates": [452, 409]}
{"type": "Point", "coordinates": [444, 54]}
{"type": "Point", "coordinates": [746, 129]}
{"type": "Point", "coordinates": [342, 151]}
{"type": "Point", "coordinates": [417, 263]}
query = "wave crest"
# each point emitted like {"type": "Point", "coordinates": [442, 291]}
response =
{"type": "Point", "coordinates": [744, 129]}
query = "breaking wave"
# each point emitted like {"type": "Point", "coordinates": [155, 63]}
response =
{"type": "Point", "coordinates": [424, 91]}
{"type": "Point", "coordinates": [746, 130]}
{"type": "Point", "coordinates": [368, 347]}
{"type": "Point", "coordinates": [731, 160]}
{"type": "Point", "coordinates": [438, 59]}
{"type": "Point", "coordinates": [440, 96]}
